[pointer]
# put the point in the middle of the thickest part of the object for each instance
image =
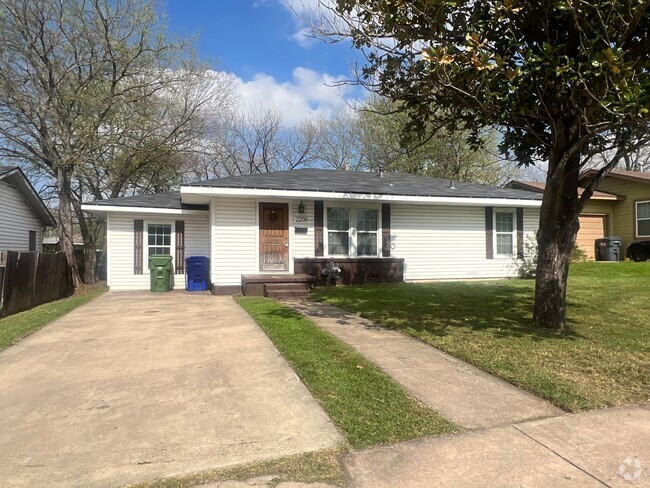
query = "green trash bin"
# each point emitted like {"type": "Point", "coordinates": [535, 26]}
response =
{"type": "Point", "coordinates": [161, 271]}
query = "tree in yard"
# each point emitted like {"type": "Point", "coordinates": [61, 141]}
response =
{"type": "Point", "coordinates": [370, 135]}
{"type": "Point", "coordinates": [563, 80]}
{"type": "Point", "coordinates": [254, 140]}
{"type": "Point", "coordinates": [439, 154]}
{"type": "Point", "coordinates": [340, 141]}
{"type": "Point", "coordinates": [637, 160]}
{"type": "Point", "coordinates": [94, 94]}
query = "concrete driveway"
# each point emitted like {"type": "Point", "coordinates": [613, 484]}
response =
{"type": "Point", "coordinates": [135, 386]}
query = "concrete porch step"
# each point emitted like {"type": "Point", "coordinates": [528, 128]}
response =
{"type": "Point", "coordinates": [286, 290]}
{"type": "Point", "coordinates": [257, 285]}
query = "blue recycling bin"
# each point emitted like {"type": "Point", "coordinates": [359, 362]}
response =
{"type": "Point", "coordinates": [197, 273]}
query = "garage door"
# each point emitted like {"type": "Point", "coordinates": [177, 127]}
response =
{"type": "Point", "coordinates": [592, 227]}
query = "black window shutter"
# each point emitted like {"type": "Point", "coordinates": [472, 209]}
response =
{"type": "Point", "coordinates": [138, 227]}
{"type": "Point", "coordinates": [180, 246]}
{"type": "Point", "coordinates": [318, 228]}
{"type": "Point", "coordinates": [385, 230]}
{"type": "Point", "coordinates": [489, 231]}
{"type": "Point", "coordinates": [520, 232]}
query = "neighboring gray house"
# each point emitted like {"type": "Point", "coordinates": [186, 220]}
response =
{"type": "Point", "coordinates": [23, 215]}
{"type": "Point", "coordinates": [388, 227]}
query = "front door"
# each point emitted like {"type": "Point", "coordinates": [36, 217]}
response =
{"type": "Point", "coordinates": [274, 237]}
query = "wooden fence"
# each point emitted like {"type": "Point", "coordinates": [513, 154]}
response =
{"type": "Point", "coordinates": [29, 279]}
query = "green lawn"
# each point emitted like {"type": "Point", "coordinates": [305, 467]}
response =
{"type": "Point", "coordinates": [20, 325]}
{"type": "Point", "coordinates": [367, 405]}
{"type": "Point", "coordinates": [602, 358]}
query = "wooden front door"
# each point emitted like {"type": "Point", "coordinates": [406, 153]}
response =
{"type": "Point", "coordinates": [274, 237]}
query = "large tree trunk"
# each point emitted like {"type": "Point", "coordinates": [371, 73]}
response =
{"type": "Point", "coordinates": [558, 226]}
{"type": "Point", "coordinates": [88, 236]}
{"type": "Point", "coordinates": [90, 264]}
{"type": "Point", "coordinates": [66, 225]}
{"type": "Point", "coordinates": [553, 259]}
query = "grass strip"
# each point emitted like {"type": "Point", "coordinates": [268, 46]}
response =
{"type": "Point", "coordinates": [601, 359]}
{"type": "Point", "coordinates": [365, 403]}
{"type": "Point", "coordinates": [20, 325]}
{"type": "Point", "coordinates": [311, 467]}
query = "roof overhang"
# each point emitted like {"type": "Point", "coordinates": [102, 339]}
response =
{"type": "Point", "coordinates": [198, 194]}
{"type": "Point", "coordinates": [18, 179]}
{"type": "Point", "coordinates": [539, 188]}
{"type": "Point", "coordinates": [104, 209]}
{"type": "Point", "coordinates": [615, 174]}
{"type": "Point", "coordinates": [600, 195]}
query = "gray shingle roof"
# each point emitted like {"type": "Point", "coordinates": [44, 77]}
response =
{"type": "Point", "coordinates": [365, 182]}
{"type": "Point", "coordinates": [328, 181]}
{"type": "Point", "coordinates": [170, 200]}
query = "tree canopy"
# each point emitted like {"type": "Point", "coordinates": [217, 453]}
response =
{"type": "Point", "coordinates": [523, 66]}
{"type": "Point", "coordinates": [563, 80]}
{"type": "Point", "coordinates": [88, 90]}
{"type": "Point", "coordinates": [387, 142]}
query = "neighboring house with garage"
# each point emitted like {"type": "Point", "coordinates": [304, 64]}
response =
{"type": "Point", "coordinates": [620, 207]}
{"type": "Point", "coordinates": [376, 227]}
{"type": "Point", "coordinates": [23, 215]}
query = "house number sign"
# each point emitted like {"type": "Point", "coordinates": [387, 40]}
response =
{"type": "Point", "coordinates": [301, 219]}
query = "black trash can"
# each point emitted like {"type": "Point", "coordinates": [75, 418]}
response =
{"type": "Point", "coordinates": [197, 272]}
{"type": "Point", "coordinates": [609, 248]}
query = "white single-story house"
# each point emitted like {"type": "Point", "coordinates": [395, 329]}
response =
{"type": "Point", "coordinates": [23, 215]}
{"type": "Point", "coordinates": [376, 227]}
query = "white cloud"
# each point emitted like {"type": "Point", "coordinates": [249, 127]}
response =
{"type": "Point", "coordinates": [303, 8]}
{"type": "Point", "coordinates": [304, 38]}
{"type": "Point", "coordinates": [306, 12]}
{"type": "Point", "coordinates": [322, 17]}
{"type": "Point", "coordinates": [309, 94]}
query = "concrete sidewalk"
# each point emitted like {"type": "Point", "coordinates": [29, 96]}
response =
{"type": "Point", "coordinates": [467, 396]}
{"type": "Point", "coordinates": [601, 448]}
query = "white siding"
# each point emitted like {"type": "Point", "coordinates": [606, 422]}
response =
{"type": "Point", "coordinates": [120, 246]}
{"type": "Point", "coordinates": [234, 240]}
{"type": "Point", "coordinates": [234, 236]}
{"type": "Point", "coordinates": [302, 245]}
{"type": "Point", "coordinates": [445, 242]}
{"type": "Point", "coordinates": [16, 220]}
{"type": "Point", "coordinates": [437, 242]}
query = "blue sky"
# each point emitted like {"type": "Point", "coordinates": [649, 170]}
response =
{"type": "Point", "coordinates": [259, 42]}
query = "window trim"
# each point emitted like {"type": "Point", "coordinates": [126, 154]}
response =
{"type": "Point", "coordinates": [513, 234]}
{"type": "Point", "coordinates": [636, 219]}
{"type": "Point", "coordinates": [376, 232]}
{"type": "Point", "coordinates": [145, 239]}
{"type": "Point", "coordinates": [352, 233]}
{"type": "Point", "coordinates": [348, 232]}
